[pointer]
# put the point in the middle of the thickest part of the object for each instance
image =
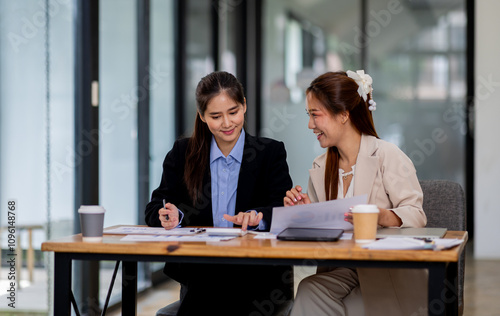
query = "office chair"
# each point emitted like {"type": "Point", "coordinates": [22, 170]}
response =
{"type": "Point", "coordinates": [444, 205]}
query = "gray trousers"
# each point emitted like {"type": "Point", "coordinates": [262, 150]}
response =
{"type": "Point", "coordinates": [398, 292]}
{"type": "Point", "coordinates": [326, 294]}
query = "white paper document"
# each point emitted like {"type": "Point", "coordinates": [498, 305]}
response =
{"type": "Point", "coordinates": [225, 231]}
{"type": "Point", "coordinates": [143, 230]}
{"type": "Point", "coordinates": [329, 214]}
{"type": "Point", "coordinates": [412, 244]}
{"type": "Point", "coordinates": [199, 237]}
{"type": "Point", "coordinates": [262, 235]}
{"type": "Point", "coordinates": [143, 233]}
{"type": "Point", "coordinates": [346, 236]}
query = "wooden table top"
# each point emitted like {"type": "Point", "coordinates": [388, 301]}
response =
{"type": "Point", "coordinates": [249, 247]}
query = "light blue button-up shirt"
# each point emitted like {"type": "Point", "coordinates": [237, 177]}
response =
{"type": "Point", "coordinates": [224, 174]}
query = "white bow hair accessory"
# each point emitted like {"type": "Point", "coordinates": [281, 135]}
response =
{"type": "Point", "coordinates": [364, 82]}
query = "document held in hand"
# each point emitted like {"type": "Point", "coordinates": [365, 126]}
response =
{"type": "Point", "coordinates": [329, 214]}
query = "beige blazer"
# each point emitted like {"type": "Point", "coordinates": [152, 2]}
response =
{"type": "Point", "coordinates": [388, 177]}
{"type": "Point", "coordinates": [385, 174]}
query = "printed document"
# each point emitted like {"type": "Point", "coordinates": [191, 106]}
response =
{"type": "Point", "coordinates": [144, 230]}
{"type": "Point", "coordinates": [329, 214]}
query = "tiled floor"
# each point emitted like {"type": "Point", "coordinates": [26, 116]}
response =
{"type": "Point", "coordinates": [482, 285]}
{"type": "Point", "coordinates": [482, 288]}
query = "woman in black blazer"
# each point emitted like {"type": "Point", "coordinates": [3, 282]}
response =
{"type": "Point", "coordinates": [186, 186]}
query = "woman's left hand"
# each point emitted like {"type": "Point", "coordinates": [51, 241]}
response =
{"type": "Point", "coordinates": [245, 219]}
{"type": "Point", "coordinates": [387, 218]}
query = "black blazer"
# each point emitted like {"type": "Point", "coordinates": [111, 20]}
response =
{"type": "Point", "coordinates": [262, 184]}
{"type": "Point", "coordinates": [263, 181]}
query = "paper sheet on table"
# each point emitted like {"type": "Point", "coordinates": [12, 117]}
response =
{"type": "Point", "coordinates": [199, 237]}
{"type": "Point", "coordinates": [412, 244]}
{"type": "Point", "coordinates": [225, 231]}
{"type": "Point", "coordinates": [262, 235]}
{"type": "Point", "coordinates": [346, 236]}
{"type": "Point", "coordinates": [143, 230]}
{"type": "Point", "coordinates": [329, 214]}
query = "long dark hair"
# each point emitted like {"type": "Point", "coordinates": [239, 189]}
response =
{"type": "Point", "coordinates": [198, 150]}
{"type": "Point", "coordinates": [339, 93]}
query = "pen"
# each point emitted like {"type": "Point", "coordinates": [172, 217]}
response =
{"type": "Point", "coordinates": [428, 242]}
{"type": "Point", "coordinates": [166, 216]}
{"type": "Point", "coordinates": [198, 230]}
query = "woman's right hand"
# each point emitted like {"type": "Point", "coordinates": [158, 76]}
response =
{"type": "Point", "coordinates": [294, 196]}
{"type": "Point", "coordinates": [169, 216]}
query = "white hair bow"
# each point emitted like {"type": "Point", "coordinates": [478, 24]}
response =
{"type": "Point", "coordinates": [364, 82]}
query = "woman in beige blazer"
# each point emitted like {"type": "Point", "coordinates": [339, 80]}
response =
{"type": "Point", "coordinates": [357, 162]}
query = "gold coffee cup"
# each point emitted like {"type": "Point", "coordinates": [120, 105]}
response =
{"type": "Point", "coordinates": [365, 220]}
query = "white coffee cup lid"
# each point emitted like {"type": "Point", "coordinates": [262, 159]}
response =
{"type": "Point", "coordinates": [365, 208]}
{"type": "Point", "coordinates": [91, 209]}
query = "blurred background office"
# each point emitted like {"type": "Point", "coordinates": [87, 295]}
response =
{"type": "Point", "coordinates": [93, 94]}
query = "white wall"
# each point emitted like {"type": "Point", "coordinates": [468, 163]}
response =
{"type": "Point", "coordinates": [487, 141]}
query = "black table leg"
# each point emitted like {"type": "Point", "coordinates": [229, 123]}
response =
{"type": "Point", "coordinates": [437, 275]}
{"type": "Point", "coordinates": [452, 289]}
{"type": "Point", "coordinates": [129, 288]}
{"type": "Point", "coordinates": [62, 284]}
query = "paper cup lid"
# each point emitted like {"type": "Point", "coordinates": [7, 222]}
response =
{"type": "Point", "coordinates": [91, 209]}
{"type": "Point", "coordinates": [365, 208]}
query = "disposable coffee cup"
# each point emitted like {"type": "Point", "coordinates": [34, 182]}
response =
{"type": "Point", "coordinates": [365, 220]}
{"type": "Point", "coordinates": [91, 222]}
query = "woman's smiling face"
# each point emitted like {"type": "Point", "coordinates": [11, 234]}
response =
{"type": "Point", "coordinates": [225, 118]}
{"type": "Point", "coordinates": [327, 127]}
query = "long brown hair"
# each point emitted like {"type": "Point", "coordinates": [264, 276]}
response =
{"type": "Point", "coordinates": [198, 150]}
{"type": "Point", "coordinates": [339, 93]}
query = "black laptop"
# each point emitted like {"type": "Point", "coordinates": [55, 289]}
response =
{"type": "Point", "coordinates": [310, 234]}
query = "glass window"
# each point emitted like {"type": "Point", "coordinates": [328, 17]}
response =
{"type": "Point", "coordinates": [36, 133]}
{"type": "Point", "coordinates": [118, 97]}
{"type": "Point", "coordinates": [199, 61]}
{"type": "Point", "coordinates": [162, 107]}
{"type": "Point", "coordinates": [415, 53]}
{"type": "Point", "coordinates": [418, 64]}
{"type": "Point", "coordinates": [227, 20]}
{"type": "Point", "coordinates": [119, 94]}
{"type": "Point", "coordinates": [301, 41]}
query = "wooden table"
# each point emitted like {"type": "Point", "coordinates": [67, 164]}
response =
{"type": "Point", "coordinates": [442, 265]}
